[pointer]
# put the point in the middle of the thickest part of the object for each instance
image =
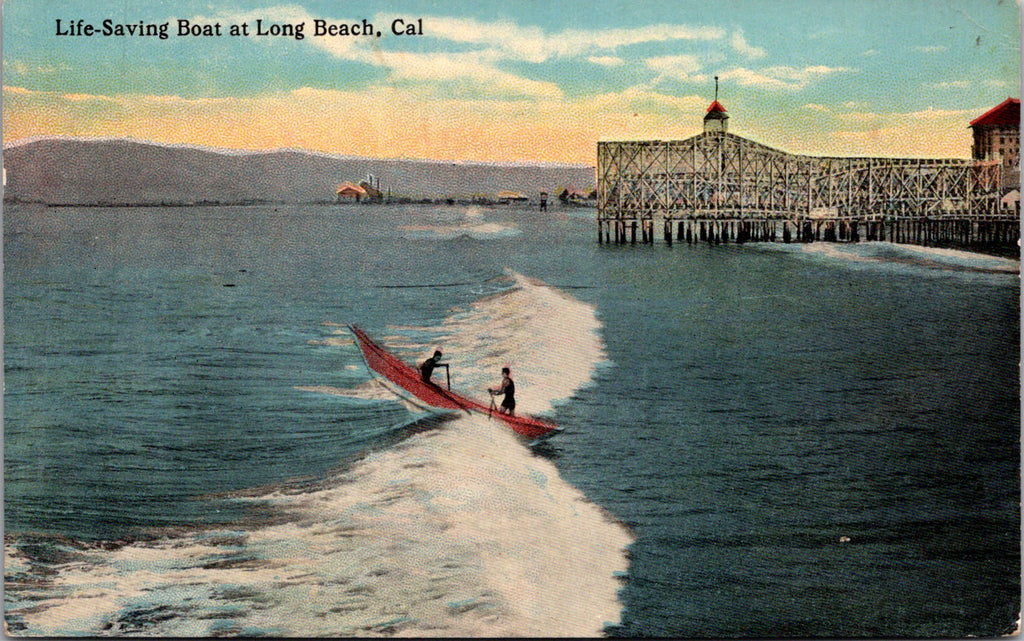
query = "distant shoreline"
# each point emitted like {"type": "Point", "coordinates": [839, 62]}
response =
{"type": "Point", "coordinates": [454, 202]}
{"type": "Point", "coordinates": [89, 172]}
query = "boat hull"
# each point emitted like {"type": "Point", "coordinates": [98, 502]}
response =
{"type": "Point", "coordinates": [408, 378]}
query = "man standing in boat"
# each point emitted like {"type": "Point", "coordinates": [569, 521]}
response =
{"type": "Point", "coordinates": [508, 390]}
{"type": "Point", "coordinates": [427, 367]}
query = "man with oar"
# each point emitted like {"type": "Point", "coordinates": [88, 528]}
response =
{"type": "Point", "coordinates": [506, 389]}
{"type": "Point", "coordinates": [427, 368]}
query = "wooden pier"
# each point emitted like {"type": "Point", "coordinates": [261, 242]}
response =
{"type": "Point", "coordinates": [717, 187]}
{"type": "Point", "coordinates": [994, 233]}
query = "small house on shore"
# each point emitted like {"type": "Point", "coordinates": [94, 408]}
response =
{"type": "Point", "coordinates": [350, 192]}
{"type": "Point", "coordinates": [353, 192]}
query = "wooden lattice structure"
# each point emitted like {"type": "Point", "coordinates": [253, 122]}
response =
{"type": "Point", "coordinates": [728, 183]}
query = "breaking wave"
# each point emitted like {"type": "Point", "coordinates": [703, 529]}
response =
{"type": "Point", "coordinates": [456, 530]}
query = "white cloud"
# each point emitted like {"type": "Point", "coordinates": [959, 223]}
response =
{"type": "Point", "coordinates": [895, 118]}
{"type": "Point", "coordinates": [19, 67]}
{"type": "Point", "coordinates": [532, 44]}
{"type": "Point", "coordinates": [780, 77]}
{"type": "Point", "coordinates": [859, 116]}
{"type": "Point", "coordinates": [85, 97]}
{"type": "Point", "coordinates": [739, 43]}
{"type": "Point", "coordinates": [630, 99]}
{"type": "Point", "coordinates": [490, 44]}
{"type": "Point", "coordinates": [469, 67]}
{"type": "Point", "coordinates": [681, 67]}
{"type": "Point", "coordinates": [930, 49]}
{"type": "Point", "coordinates": [575, 41]}
{"type": "Point", "coordinates": [606, 61]}
{"type": "Point", "coordinates": [938, 114]}
{"type": "Point", "coordinates": [949, 84]}
{"type": "Point", "coordinates": [869, 137]}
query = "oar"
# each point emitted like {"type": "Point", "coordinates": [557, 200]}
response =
{"type": "Point", "coordinates": [448, 373]}
{"type": "Point", "coordinates": [492, 408]}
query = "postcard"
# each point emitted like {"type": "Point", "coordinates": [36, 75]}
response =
{"type": "Point", "coordinates": [578, 319]}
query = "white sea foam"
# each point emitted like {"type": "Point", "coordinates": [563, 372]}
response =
{"type": "Point", "coordinates": [459, 531]}
{"type": "Point", "coordinates": [907, 257]}
{"type": "Point", "coordinates": [548, 339]}
{"type": "Point", "coordinates": [478, 231]}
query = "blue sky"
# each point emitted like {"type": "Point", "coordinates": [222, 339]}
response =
{"type": "Point", "coordinates": [519, 80]}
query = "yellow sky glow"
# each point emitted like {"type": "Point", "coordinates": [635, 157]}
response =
{"type": "Point", "coordinates": [393, 123]}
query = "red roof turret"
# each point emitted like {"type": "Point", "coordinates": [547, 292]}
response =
{"type": "Point", "coordinates": [716, 106]}
{"type": "Point", "coordinates": [1006, 113]}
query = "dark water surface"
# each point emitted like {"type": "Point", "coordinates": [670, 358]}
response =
{"type": "Point", "coordinates": [804, 441]}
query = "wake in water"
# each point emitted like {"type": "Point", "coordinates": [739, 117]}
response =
{"type": "Point", "coordinates": [912, 258]}
{"type": "Point", "coordinates": [548, 339]}
{"type": "Point", "coordinates": [468, 224]}
{"type": "Point", "coordinates": [457, 531]}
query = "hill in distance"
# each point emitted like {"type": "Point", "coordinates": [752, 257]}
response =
{"type": "Point", "coordinates": [68, 171]}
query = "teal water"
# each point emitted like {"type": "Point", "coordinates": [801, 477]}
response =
{"type": "Point", "coordinates": [785, 440]}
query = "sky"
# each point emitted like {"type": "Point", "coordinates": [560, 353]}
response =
{"type": "Point", "coordinates": [515, 80]}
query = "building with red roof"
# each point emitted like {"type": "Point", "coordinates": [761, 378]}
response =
{"type": "Point", "coordinates": [716, 119]}
{"type": "Point", "coordinates": [997, 134]}
{"type": "Point", "coordinates": [351, 191]}
{"type": "Point", "coordinates": [997, 139]}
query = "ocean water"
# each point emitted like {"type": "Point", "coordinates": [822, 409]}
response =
{"type": "Point", "coordinates": [759, 440]}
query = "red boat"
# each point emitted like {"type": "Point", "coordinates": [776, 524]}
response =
{"type": "Point", "coordinates": [408, 379]}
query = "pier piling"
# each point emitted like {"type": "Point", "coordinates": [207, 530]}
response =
{"type": "Point", "coordinates": [1000, 235]}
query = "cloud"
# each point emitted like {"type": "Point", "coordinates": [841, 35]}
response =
{"type": "Point", "coordinates": [739, 43]}
{"type": "Point", "coordinates": [447, 127]}
{"type": "Point", "coordinates": [392, 121]}
{"type": "Point", "coordinates": [532, 44]}
{"type": "Point", "coordinates": [780, 77]}
{"type": "Point", "coordinates": [859, 116]}
{"type": "Point", "coordinates": [631, 99]}
{"type": "Point", "coordinates": [946, 138]}
{"type": "Point", "coordinates": [681, 67]}
{"type": "Point", "coordinates": [938, 114]}
{"type": "Point", "coordinates": [83, 97]}
{"type": "Point", "coordinates": [929, 114]}
{"type": "Point", "coordinates": [950, 84]}
{"type": "Point", "coordinates": [491, 47]}
{"type": "Point", "coordinates": [19, 67]}
{"type": "Point", "coordinates": [930, 49]}
{"type": "Point", "coordinates": [477, 71]}
{"type": "Point", "coordinates": [867, 136]}
{"type": "Point", "coordinates": [612, 39]}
